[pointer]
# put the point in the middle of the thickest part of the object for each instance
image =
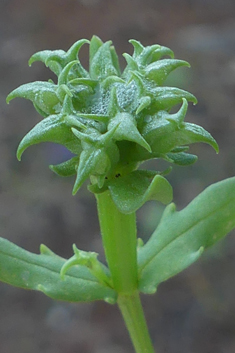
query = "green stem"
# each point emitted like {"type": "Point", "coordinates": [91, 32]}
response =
{"type": "Point", "coordinates": [119, 240]}
{"type": "Point", "coordinates": [133, 315]}
{"type": "Point", "coordinates": [120, 244]}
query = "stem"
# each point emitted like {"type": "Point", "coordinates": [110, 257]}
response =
{"type": "Point", "coordinates": [133, 316]}
{"type": "Point", "coordinates": [119, 240]}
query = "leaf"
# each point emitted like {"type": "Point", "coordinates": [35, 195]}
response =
{"type": "Point", "coordinates": [24, 269]}
{"type": "Point", "coordinates": [138, 47]}
{"type": "Point", "coordinates": [42, 94]}
{"type": "Point", "coordinates": [50, 129]}
{"type": "Point", "coordinates": [95, 44]}
{"type": "Point", "coordinates": [56, 60]}
{"type": "Point", "coordinates": [115, 60]}
{"type": "Point", "coordinates": [44, 56]}
{"type": "Point", "coordinates": [89, 260]}
{"type": "Point", "coordinates": [131, 63]}
{"type": "Point", "coordinates": [101, 64]}
{"type": "Point", "coordinates": [127, 130]}
{"type": "Point", "coordinates": [158, 71]}
{"type": "Point", "coordinates": [144, 102]}
{"type": "Point", "coordinates": [92, 162]}
{"type": "Point", "coordinates": [146, 55]}
{"type": "Point", "coordinates": [190, 133]}
{"type": "Point", "coordinates": [131, 191]}
{"type": "Point", "coordinates": [182, 158]}
{"type": "Point", "coordinates": [66, 168]}
{"type": "Point", "coordinates": [164, 98]}
{"type": "Point", "coordinates": [64, 77]}
{"type": "Point", "coordinates": [181, 236]}
{"type": "Point", "coordinates": [196, 133]}
{"type": "Point", "coordinates": [160, 52]}
{"type": "Point", "coordinates": [164, 135]}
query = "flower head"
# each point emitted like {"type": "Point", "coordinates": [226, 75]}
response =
{"type": "Point", "coordinates": [113, 121]}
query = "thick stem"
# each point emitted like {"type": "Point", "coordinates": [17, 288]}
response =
{"type": "Point", "coordinates": [119, 240]}
{"type": "Point", "coordinates": [133, 315]}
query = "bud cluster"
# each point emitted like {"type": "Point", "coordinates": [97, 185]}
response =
{"type": "Point", "coordinates": [113, 121]}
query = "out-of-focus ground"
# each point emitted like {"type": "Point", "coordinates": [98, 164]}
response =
{"type": "Point", "coordinates": [191, 313]}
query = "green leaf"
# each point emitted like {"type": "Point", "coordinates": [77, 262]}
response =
{"type": "Point", "coordinates": [164, 133]}
{"type": "Point", "coordinates": [92, 162]}
{"type": "Point", "coordinates": [160, 52]}
{"type": "Point", "coordinates": [102, 65]}
{"type": "Point", "coordinates": [95, 44]}
{"type": "Point", "coordinates": [131, 63]}
{"type": "Point", "coordinates": [131, 191]}
{"type": "Point", "coordinates": [66, 168]}
{"type": "Point", "coordinates": [65, 74]}
{"type": "Point", "coordinates": [115, 60]}
{"type": "Point", "coordinates": [138, 47]}
{"type": "Point", "coordinates": [127, 130]}
{"type": "Point", "coordinates": [24, 269]}
{"type": "Point", "coordinates": [89, 260]}
{"type": "Point", "coordinates": [195, 133]}
{"type": "Point", "coordinates": [42, 94]}
{"type": "Point", "coordinates": [146, 55]}
{"type": "Point", "coordinates": [44, 56]}
{"type": "Point", "coordinates": [50, 129]}
{"type": "Point", "coordinates": [182, 158]}
{"type": "Point", "coordinates": [56, 60]}
{"type": "Point", "coordinates": [144, 102]}
{"type": "Point", "coordinates": [158, 71]}
{"type": "Point", "coordinates": [181, 236]}
{"type": "Point", "coordinates": [190, 133]}
{"type": "Point", "coordinates": [164, 98]}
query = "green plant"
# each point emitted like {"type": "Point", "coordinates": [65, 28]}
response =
{"type": "Point", "coordinates": [113, 122]}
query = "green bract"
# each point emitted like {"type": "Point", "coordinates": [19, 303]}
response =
{"type": "Point", "coordinates": [112, 121]}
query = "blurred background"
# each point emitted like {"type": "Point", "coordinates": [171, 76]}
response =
{"type": "Point", "coordinates": [192, 312]}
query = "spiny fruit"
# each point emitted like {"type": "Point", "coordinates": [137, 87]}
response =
{"type": "Point", "coordinates": [113, 121]}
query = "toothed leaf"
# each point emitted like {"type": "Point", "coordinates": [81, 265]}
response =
{"type": "Point", "coordinates": [44, 56]}
{"type": "Point", "coordinates": [182, 158]}
{"type": "Point", "coordinates": [158, 71]}
{"type": "Point", "coordinates": [102, 63]}
{"type": "Point", "coordinates": [56, 60]}
{"type": "Point", "coordinates": [27, 270]}
{"type": "Point", "coordinates": [127, 130]}
{"type": "Point", "coordinates": [50, 129]}
{"type": "Point", "coordinates": [160, 52]}
{"type": "Point", "coordinates": [92, 162]}
{"type": "Point", "coordinates": [166, 137]}
{"type": "Point", "coordinates": [144, 102]}
{"type": "Point", "coordinates": [67, 168]}
{"type": "Point", "coordinates": [131, 191]}
{"type": "Point", "coordinates": [181, 236]}
{"type": "Point", "coordinates": [164, 98]}
{"type": "Point", "coordinates": [95, 44]}
{"type": "Point", "coordinates": [42, 94]}
{"type": "Point", "coordinates": [138, 48]}
{"type": "Point", "coordinates": [115, 60]}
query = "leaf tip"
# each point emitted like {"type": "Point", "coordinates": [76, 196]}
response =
{"type": "Point", "coordinates": [19, 153]}
{"type": "Point", "coordinates": [9, 98]}
{"type": "Point", "coordinates": [41, 288]}
{"type": "Point", "coordinates": [110, 300]}
{"type": "Point", "coordinates": [150, 289]}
